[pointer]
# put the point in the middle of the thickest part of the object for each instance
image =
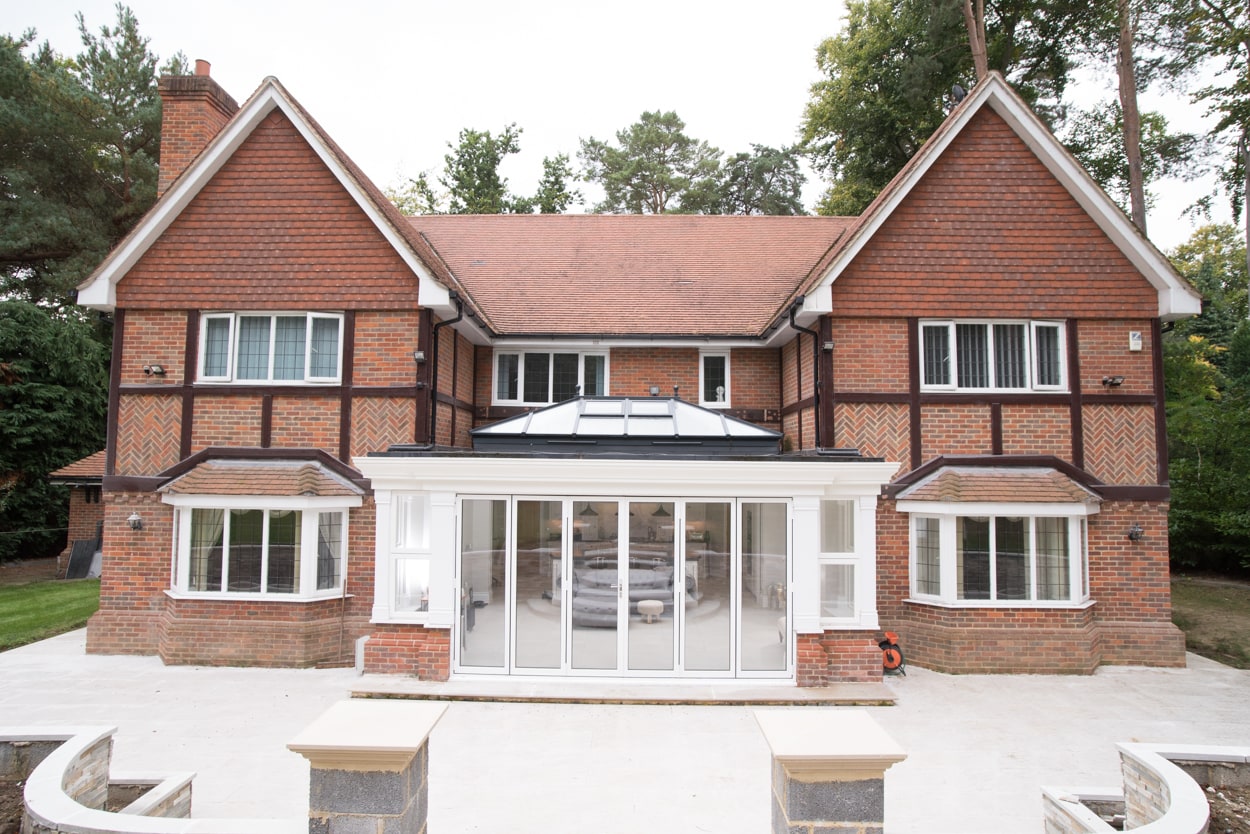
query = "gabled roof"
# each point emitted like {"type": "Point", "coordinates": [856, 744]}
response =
{"type": "Point", "coordinates": [1177, 298]}
{"type": "Point", "coordinates": [629, 275]}
{"type": "Point", "coordinates": [100, 289]}
{"type": "Point", "coordinates": [619, 424]}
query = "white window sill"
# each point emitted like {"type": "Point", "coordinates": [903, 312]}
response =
{"type": "Point", "coordinates": [252, 596]}
{"type": "Point", "coordinates": [991, 603]}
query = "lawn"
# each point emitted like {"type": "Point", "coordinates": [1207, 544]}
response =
{"type": "Point", "coordinates": [1215, 616]}
{"type": "Point", "coordinates": [37, 610]}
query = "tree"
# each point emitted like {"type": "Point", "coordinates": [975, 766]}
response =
{"type": "Point", "coordinates": [471, 171]}
{"type": "Point", "coordinates": [53, 401]}
{"type": "Point", "coordinates": [652, 168]}
{"type": "Point", "coordinates": [1214, 261]}
{"type": "Point", "coordinates": [1218, 31]}
{"type": "Point", "coordinates": [555, 191]}
{"type": "Point", "coordinates": [78, 149]}
{"type": "Point", "coordinates": [764, 181]}
{"type": "Point", "coordinates": [1096, 138]}
{"type": "Point", "coordinates": [889, 74]}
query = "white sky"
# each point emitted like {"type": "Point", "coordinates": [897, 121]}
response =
{"type": "Point", "coordinates": [394, 81]}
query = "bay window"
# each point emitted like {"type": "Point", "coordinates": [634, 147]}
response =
{"type": "Point", "coordinates": [1011, 558]}
{"type": "Point", "coordinates": [541, 378]}
{"type": "Point", "coordinates": [271, 347]}
{"type": "Point", "coordinates": [992, 356]}
{"type": "Point", "coordinates": [226, 545]}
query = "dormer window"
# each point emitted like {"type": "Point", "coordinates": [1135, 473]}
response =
{"type": "Point", "coordinates": [288, 348]}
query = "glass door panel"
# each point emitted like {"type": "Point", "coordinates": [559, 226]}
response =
{"type": "Point", "coordinates": [763, 630]}
{"type": "Point", "coordinates": [707, 623]}
{"type": "Point", "coordinates": [595, 586]}
{"type": "Point", "coordinates": [484, 586]}
{"type": "Point", "coordinates": [653, 589]}
{"type": "Point", "coordinates": [537, 635]}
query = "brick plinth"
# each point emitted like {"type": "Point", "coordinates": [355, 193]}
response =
{"type": "Point", "coordinates": [409, 650]}
{"type": "Point", "coordinates": [838, 657]}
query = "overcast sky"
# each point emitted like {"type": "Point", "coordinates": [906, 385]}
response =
{"type": "Point", "coordinates": [394, 81]}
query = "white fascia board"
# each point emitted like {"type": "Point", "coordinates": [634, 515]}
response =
{"type": "Point", "coordinates": [988, 508]}
{"type": "Point", "coordinates": [508, 343]}
{"type": "Point", "coordinates": [627, 477]}
{"type": "Point", "coordinates": [1176, 299]}
{"type": "Point", "coordinates": [262, 502]}
{"type": "Point", "coordinates": [101, 293]}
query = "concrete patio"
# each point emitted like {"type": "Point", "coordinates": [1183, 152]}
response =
{"type": "Point", "coordinates": [979, 747]}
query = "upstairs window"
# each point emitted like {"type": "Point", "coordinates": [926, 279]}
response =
{"type": "Point", "coordinates": [992, 356]}
{"type": "Point", "coordinates": [541, 378]}
{"type": "Point", "coordinates": [271, 347]}
{"type": "Point", "coordinates": [714, 380]}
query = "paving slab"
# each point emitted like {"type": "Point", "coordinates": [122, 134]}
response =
{"type": "Point", "coordinates": [979, 747]}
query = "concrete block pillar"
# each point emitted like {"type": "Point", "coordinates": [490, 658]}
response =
{"type": "Point", "coordinates": [828, 770]}
{"type": "Point", "coordinates": [370, 766]}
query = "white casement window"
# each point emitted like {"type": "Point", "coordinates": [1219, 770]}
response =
{"type": "Point", "coordinates": [1007, 559]}
{"type": "Point", "coordinates": [838, 559]}
{"type": "Point", "coordinates": [541, 378]}
{"type": "Point", "coordinates": [410, 553]}
{"type": "Point", "coordinates": [284, 348]}
{"type": "Point", "coordinates": [714, 380]}
{"type": "Point", "coordinates": [297, 550]}
{"type": "Point", "coordinates": [993, 356]}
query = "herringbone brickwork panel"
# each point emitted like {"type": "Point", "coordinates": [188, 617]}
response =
{"type": "Point", "coordinates": [147, 441]}
{"type": "Point", "coordinates": [876, 429]}
{"type": "Point", "coordinates": [378, 422]}
{"type": "Point", "coordinates": [1120, 443]}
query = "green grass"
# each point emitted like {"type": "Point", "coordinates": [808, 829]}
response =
{"type": "Point", "coordinates": [1215, 616]}
{"type": "Point", "coordinates": [43, 609]}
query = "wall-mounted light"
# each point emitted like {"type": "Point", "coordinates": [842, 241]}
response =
{"type": "Point", "coordinates": [135, 522]}
{"type": "Point", "coordinates": [1113, 381]}
{"type": "Point", "coordinates": [655, 390]}
{"type": "Point", "coordinates": [418, 356]}
{"type": "Point", "coordinates": [827, 347]}
{"type": "Point", "coordinates": [154, 370]}
{"type": "Point", "coordinates": [1135, 532]}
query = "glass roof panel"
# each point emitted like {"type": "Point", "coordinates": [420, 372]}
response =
{"type": "Point", "coordinates": [650, 426]}
{"type": "Point", "coordinates": [649, 407]}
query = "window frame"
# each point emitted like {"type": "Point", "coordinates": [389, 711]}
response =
{"type": "Point", "coordinates": [704, 356]}
{"type": "Point", "coordinates": [522, 353]}
{"type": "Point", "coordinates": [232, 335]}
{"type": "Point", "coordinates": [1031, 359]}
{"type": "Point", "coordinates": [311, 508]}
{"type": "Point", "coordinates": [840, 558]}
{"type": "Point", "coordinates": [947, 517]}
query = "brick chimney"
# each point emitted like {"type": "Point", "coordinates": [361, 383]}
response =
{"type": "Point", "coordinates": [194, 108]}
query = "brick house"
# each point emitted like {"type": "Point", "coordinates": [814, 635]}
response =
{"type": "Point", "coordinates": [663, 447]}
{"type": "Point", "coordinates": [83, 479]}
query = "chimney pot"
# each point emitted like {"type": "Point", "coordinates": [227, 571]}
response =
{"type": "Point", "coordinates": [202, 67]}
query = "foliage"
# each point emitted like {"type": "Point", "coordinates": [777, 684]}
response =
{"type": "Point", "coordinates": [888, 78]}
{"type": "Point", "coordinates": [53, 401]}
{"type": "Point", "coordinates": [471, 182]}
{"type": "Point", "coordinates": [39, 610]}
{"type": "Point", "coordinates": [764, 181]}
{"type": "Point", "coordinates": [555, 191]}
{"type": "Point", "coordinates": [1214, 261]}
{"type": "Point", "coordinates": [652, 168]}
{"type": "Point", "coordinates": [1095, 137]}
{"type": "Point", "coordinates": [78, 151]}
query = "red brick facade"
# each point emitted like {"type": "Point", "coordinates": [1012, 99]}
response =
{"type": "Point", "coordinates": [988, 232]}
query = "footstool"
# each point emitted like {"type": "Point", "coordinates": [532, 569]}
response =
{"type": "Point", "coordinates": [650, 609]}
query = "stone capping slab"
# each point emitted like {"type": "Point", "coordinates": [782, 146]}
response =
{"type": "Point", "coordinates": [368, 735]}
{"type": "Point", "coordinates": [1071, 802]}
{"type": "Point", "coordinates": [1188, 812]}
{"type": "Point", "coordinates": [48, 806]}
{"type": "Point", "coordinates": [835, 745]}
{"type": "Point", "coordinates": [160, 788]}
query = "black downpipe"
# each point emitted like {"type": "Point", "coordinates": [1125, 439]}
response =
{"type": "Point", "coordinates": [794, 308]}
{"type": "Point", "coordinates": [455, 297]}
